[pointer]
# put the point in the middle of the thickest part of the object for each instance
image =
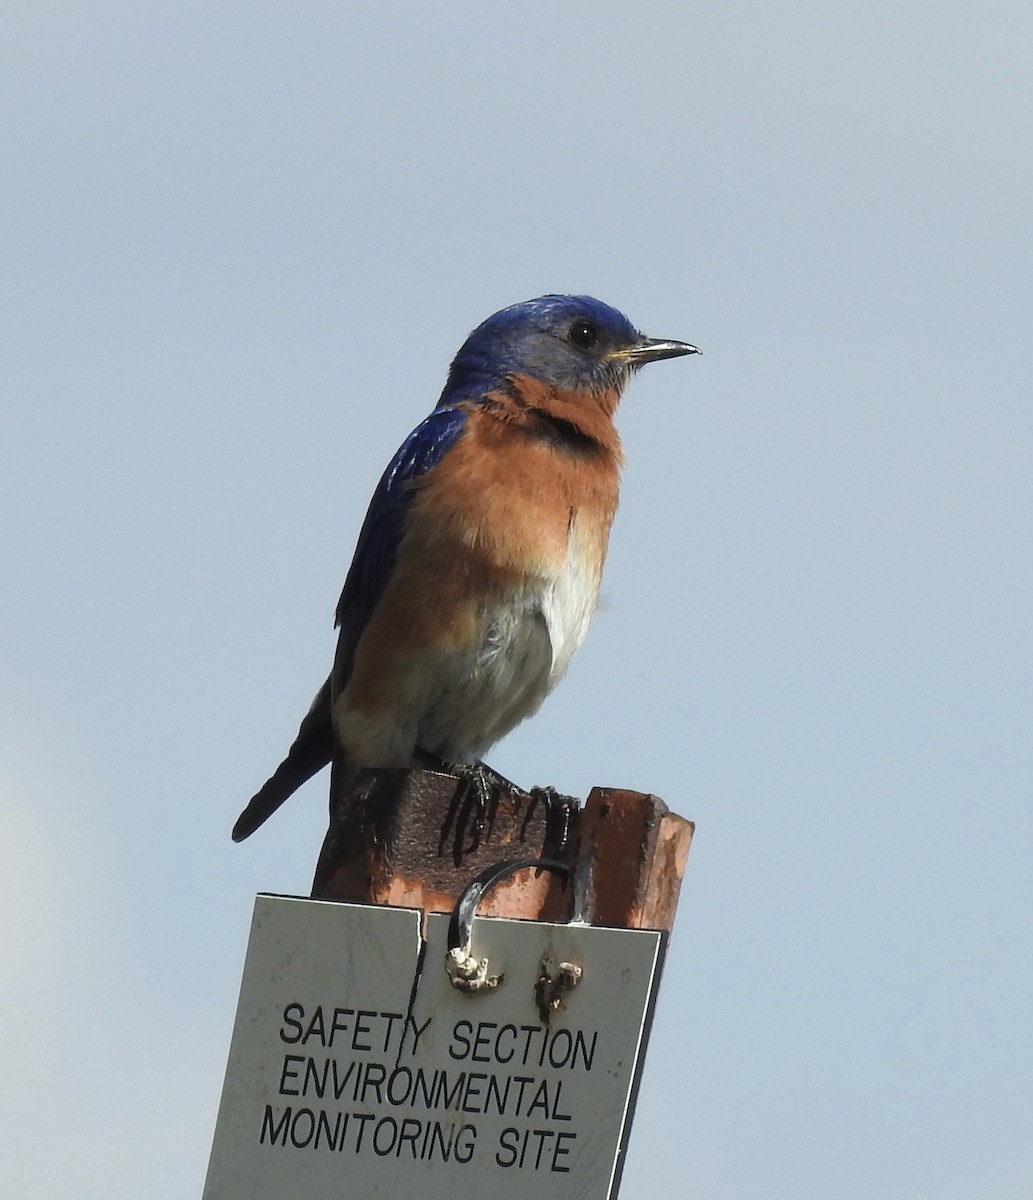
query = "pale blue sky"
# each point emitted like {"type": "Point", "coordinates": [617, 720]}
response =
{"type": "Point", "coordinates": [240, 245]}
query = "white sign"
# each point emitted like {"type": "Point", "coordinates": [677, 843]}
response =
{"type": "Point", "coordinates": [356, 1068]}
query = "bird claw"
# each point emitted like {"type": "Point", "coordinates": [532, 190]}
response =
{"type": "Point", "coordinates": [478, 785]}
{"type": "Point", "coordinates": [559, 816]}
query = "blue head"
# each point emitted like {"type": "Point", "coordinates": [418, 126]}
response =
{"type": "Point", "coordinates": [571, 342]}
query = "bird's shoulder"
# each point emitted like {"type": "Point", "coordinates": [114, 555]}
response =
{"type": "Point", "coordinates": [381, 530]}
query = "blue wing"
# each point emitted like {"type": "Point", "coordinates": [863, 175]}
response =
{"type": "Point", "coordinates": [382, 529]}
{"type": "Point", "coordinates": [374, 557]}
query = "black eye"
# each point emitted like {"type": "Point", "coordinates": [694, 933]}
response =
{"type": "Point", "coordinates": [583, 334]}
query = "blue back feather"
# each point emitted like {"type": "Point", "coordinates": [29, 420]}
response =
{"type": "Point", "coordinates": [382, 529]}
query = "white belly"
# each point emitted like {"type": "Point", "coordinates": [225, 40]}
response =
{"type": "Point", "coordinates": [568, 602]}
{"type": "Point", "coordinates": [527, 643]}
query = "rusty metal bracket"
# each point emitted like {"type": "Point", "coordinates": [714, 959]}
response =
{"type": "Point", "coordinates": [554, 981]}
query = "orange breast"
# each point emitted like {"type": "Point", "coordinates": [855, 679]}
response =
{"type": "Point", "coordinates": [513, 520]}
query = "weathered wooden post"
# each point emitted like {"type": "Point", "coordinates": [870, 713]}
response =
{"type": "Point", "coordinates": [457, 1005]}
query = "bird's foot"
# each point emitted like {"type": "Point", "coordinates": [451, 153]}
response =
{"type": "Point", "coordinates": [479, 784]}
{"type": "Point", "coordinates": [482, 784]}
{"type": "Point", "coordinates": [560, 811]}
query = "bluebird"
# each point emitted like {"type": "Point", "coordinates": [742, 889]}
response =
{"type": "Point", "coordinates": [477, 568]}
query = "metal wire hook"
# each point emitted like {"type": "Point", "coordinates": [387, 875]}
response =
{"type": "Point", "coordinates": [466, 972]}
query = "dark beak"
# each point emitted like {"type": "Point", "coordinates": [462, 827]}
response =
{"type": "Point", "coordinates": [647, 350]}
